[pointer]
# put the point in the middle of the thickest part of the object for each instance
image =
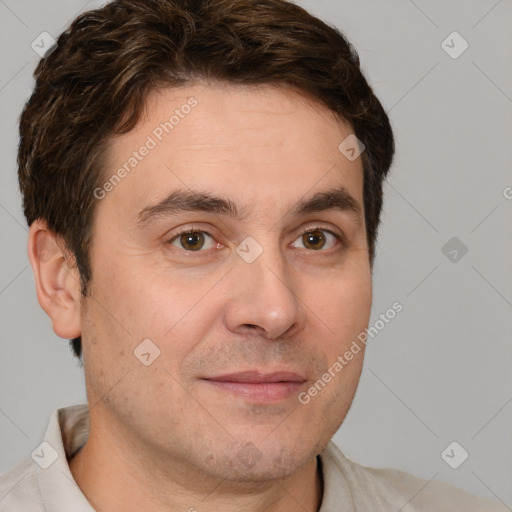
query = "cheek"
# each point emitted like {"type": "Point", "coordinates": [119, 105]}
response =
{"type": "Point", "coordinates": [136, 298]}
{"type": "Point", "coordinates": [173, 313]}
{"type": "Point", "coordinates": [342, 302]}
{"type": "Point", "coordinates": [339, 313]}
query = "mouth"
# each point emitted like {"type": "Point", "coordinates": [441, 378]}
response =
{"type": "Point", "coordinates": [258, 386]}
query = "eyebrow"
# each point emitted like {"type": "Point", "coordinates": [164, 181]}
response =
{"type": "Point", "coordinates": [189, 201]}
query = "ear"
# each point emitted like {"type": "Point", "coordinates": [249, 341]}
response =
{"type": "Point", "coordinates": [57, 280]}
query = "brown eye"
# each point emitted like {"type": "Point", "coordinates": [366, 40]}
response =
{"type": "Point", "coordinates": [191, 240]}
{"type": "Point", "coordinates": [318, 239]}
{"type": "Point", "coordinates": [313, 239]}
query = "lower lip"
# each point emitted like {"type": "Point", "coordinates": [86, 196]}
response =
{"type": "Point", "coordinates": [259, 391]}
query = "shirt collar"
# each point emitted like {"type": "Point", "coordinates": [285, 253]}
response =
{"type": "Point", "coordinates": [67, 432]}
{"type": "Point", "coordinates": [337, 496]}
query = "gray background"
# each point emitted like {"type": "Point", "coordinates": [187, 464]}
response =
{"type": "Point", "coordinates": [440, 371]}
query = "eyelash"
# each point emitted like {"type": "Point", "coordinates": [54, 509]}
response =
{"type": "Point", "coordinates": [340, 239]}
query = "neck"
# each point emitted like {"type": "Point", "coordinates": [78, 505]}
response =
{"type": "Point", "coordinates": [114, 478]}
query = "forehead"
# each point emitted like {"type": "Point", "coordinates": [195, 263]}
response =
{"type": "Point", "coordinates": [262, 145]}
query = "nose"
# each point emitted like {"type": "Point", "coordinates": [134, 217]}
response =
{"type": "Point", "coordinates": [264, 298]}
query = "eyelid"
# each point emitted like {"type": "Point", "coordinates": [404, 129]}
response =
{"type": "Point", "coordinates": [334, 229]}
{"type": "Point", "coordinates": [318, 226]}
{"type": "Point", "coordinates": [187, 229]}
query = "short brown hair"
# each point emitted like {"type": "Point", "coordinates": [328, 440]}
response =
{"type": "Point", "coordinates": [95, 82]}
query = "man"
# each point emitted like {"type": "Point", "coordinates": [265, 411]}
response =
{"type": "Point", "coordinates": [203, 185]}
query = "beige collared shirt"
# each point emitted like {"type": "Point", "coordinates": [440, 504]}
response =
{"type": "Point", "coordinates": [44, 483]}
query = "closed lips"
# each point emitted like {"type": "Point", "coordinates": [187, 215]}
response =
{"type": "Point", "coordinates": [258, 377]}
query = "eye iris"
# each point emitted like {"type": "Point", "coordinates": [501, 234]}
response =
{"type": "Point", "coordinates": [192, 241]}
{"type": "Point", "coordinates": [314, 237]}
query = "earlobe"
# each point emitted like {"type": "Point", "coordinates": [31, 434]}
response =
{"type": "Point", "coordinates": [57, 280]}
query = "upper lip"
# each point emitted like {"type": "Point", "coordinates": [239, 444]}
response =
{"type": "Point", "coordinates": [259, 377]}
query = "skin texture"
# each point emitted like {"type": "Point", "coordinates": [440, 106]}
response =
{"type": "Point", "coordinates": [162, 438]}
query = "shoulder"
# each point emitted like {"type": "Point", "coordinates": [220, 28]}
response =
{"type": "Point", "coordinates": [29, 487]}
{"type": "Point", "coordinates": [19, 489]}
{"type": "Point", "coordinates": [390, 489]}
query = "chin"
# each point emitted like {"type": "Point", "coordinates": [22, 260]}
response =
{"type": "Point", "coordinates": [250, 464]}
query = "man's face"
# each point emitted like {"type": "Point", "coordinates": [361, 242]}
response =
{"type": "Point", "coordinates": [214, 302]}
